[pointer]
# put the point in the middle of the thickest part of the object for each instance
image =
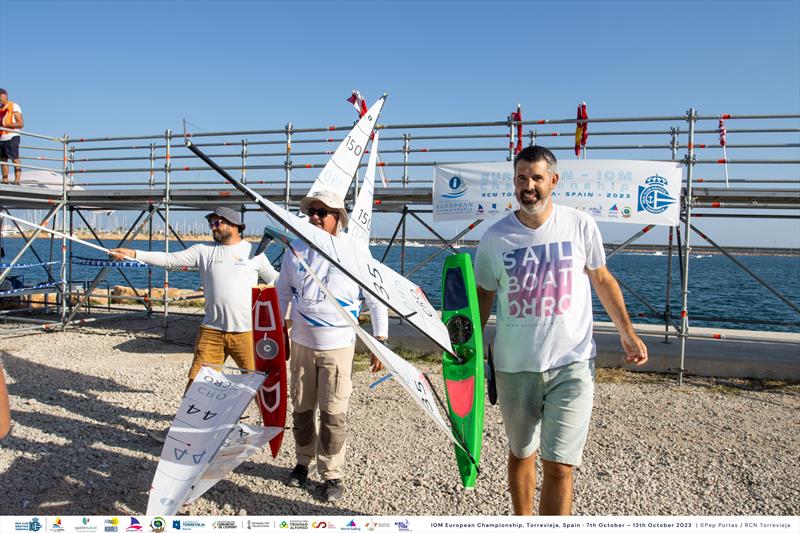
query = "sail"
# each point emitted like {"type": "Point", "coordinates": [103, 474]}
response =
{"type": "Point", "coordinates": [341, 168]}
{"type": "Point", "coordinates": [360, 224]}
{"type": "Point", "coordinates": [393, 290]}
{"type": "Point", "coordinates": [409, 376]}
{"type": "Point", "coordinates": [244, 441]}
{"type": "Point", "coordinates": [209, 411]}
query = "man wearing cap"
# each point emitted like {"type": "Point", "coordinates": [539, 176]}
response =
{"type": "Point", "coordinates": [10, 118]}
{"type": "Point", "coordinates": [322, 347]}
{"type": "Point", "coordinates": [227, 272]}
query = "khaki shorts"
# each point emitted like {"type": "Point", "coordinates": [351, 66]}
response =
{"type": "Point", "coordinates": [212, 346]}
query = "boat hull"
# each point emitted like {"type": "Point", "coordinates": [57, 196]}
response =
{"type": "Point", "coordinates": [464, 380]}
{"type": "Point", "coordinates": [270, 357]}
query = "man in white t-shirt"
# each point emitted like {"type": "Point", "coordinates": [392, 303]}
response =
{"type": "Point", "coordinates": [542, 261]}
{"type": "Point", "coordinates": [322, 348]}
{"type": "Point", "coordinates": [228, 272]}
{"type": "Point", "coordinates": [10, 118]}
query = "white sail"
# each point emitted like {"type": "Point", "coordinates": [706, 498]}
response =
{"type": "Point", "coordinates": [409, 376]}
{"type": "Point", "coordinates": [341, 168]}
{"type": "Point", "coordinates": [360, 223]}
{"type": "Point", "coordinates": [389, 287]}
{"type": "Point", "coordinates": [208, 413]}
{"type": "Point", "coordinates": [240, 445]}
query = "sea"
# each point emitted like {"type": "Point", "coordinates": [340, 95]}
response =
{"type": "Point", "coordinates": [721, 294]}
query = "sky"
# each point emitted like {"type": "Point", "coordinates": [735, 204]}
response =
{"type": "Point", "coordinates": [136, 68]}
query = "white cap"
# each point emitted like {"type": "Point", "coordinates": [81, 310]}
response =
{"type": "Point", "coordinates": [330, 199]}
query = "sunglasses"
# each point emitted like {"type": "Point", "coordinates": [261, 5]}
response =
{"type": "Point", "coordinates": [215, 223]}
{"type": "Point", "coordinates": [321, 212]}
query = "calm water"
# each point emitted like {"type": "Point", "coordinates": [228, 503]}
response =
{"type": "Point", "coordinates": [718, 288]}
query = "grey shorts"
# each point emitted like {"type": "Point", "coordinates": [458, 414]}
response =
{"type": "Point", "coordinates": [548, 410]}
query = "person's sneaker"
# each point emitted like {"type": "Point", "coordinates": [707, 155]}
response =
{"type": "Point", "coordinates": [298, 477]}
{"type": "Point", "coordinates": [159, 436]}
{"type": "Point", "coordinates": [332, 490]}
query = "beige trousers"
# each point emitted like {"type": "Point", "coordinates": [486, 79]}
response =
{"type": "Point", "coordinates": [321, 378]}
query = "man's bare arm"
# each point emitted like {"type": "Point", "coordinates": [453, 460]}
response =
{"type": "Point", "coordinates": [610, 295]}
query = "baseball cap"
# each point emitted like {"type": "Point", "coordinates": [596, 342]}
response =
{"type": "Point", "coordinates": [231, 215]}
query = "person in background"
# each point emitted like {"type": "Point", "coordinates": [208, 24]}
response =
{"type": "Point", "coordinates": [11, 119]}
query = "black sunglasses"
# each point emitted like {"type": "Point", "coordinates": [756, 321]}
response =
{"type": "Point", "coordinates": [321, 212]}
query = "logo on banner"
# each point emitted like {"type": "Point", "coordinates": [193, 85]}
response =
{"type": "Point", "coordinates": [458, 188]}
{"type": "Point", "coordinates": [158, 524]}
{"type": "Point", "coordinates": [111, 525]}
{"type": "Point", "coordinates": [135, 526]}
{"type": "Point", "coordinates": [654, 196]}
{"type": "Point", "coordinates": [613, 211]}
{"type": "Point", "coordinates": [32, 525]}
{"type": "Point", "coordinates": [56, 525]}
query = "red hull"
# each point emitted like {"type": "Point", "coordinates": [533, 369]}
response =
{"type": "Point", "coordinates": [270, 356]}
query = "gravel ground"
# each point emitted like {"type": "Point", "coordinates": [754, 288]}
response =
{"type": "Point", "coordinates": [83, 400]}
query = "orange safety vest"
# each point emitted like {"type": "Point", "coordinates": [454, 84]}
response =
{"type": "Point", "coordinates": [7, 115]}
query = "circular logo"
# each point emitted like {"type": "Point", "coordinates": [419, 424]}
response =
{"type": "Point", "coordinates": [158, 524]}
{"type": "Point", "coordinates": [455, 182]}
{"type": "Point", "coordinates": [267, 348]}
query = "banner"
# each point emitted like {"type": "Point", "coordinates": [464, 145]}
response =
{"type": "Point", "coordinates": [611, 190]}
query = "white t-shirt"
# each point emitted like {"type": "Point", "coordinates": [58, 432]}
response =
{"type": "Point", "coordinates": [544, 299]}
{"type": "Point", "coordinates": [227, 273]}
{"type": "Point", "coordinates": [5, 135]}
{"type": "Point", "coordinates": [316, 323]}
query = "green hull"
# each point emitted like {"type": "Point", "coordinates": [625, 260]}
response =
{"type": "Point", "coordinates": [463, 380]}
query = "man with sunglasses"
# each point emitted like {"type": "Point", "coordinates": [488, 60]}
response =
{"type": "Point", "coordinates": [322, 347]}
{"type": "Point", "coordinates": [228, 271]}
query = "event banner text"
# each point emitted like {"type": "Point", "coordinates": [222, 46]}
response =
{"type": "Point", "coordinates": [611, 190]}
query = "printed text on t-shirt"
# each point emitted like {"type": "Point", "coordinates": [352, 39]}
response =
{"type": "Point", "coordinates": [539, 280]}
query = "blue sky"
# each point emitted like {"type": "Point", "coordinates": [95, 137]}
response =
{"type": "Point", "coordinates": [113, 68]}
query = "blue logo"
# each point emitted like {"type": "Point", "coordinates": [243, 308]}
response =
{"type": "Point", "coordinates": [176, 524]}
{"type": "Point", "coordinates": [654, 197]}
{"type": "Point", "coordinates": [457, 188]}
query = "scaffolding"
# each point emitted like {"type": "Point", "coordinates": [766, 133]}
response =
{"type": "Point", "coordinates": [155, 176]}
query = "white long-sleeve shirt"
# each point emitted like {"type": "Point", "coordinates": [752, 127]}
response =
{"type": "Point", "coordinates": [316, 323]}
{"type": "Point", "coordinates": [228, 273]}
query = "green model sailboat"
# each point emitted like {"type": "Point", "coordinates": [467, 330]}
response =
{"type": "Point", "coordinates": [463, 375]}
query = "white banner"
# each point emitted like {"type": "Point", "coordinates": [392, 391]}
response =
{"type": "Point", "coordinates": [611, 190]}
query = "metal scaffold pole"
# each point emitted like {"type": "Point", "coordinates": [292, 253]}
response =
{"type": "Point", "coordinates": [167, 201]}
{"type": "Point", "coordinates": [691, 117]}
{"type": "Point", "coordinates": [287, 165]}
{"type": "Point", "coordinates": [62, 285]}
{"type": "Point", "coordinates": [406, 149]}
{"type": "Point", "coordinates": [667, 302]}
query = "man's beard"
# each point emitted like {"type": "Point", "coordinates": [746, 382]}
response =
{"type": "Point", "coordinates": [534, 208]}
{"type": "Point", "coordinates": [218, 236]}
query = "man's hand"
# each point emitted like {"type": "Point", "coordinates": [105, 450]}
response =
{"type": "Point", "coordinates": [374, 361]}
{"type": "Point", "coordinates": [120, 254]}
{"type": "Point", "coordinates": [635, 349]}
